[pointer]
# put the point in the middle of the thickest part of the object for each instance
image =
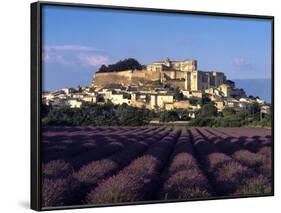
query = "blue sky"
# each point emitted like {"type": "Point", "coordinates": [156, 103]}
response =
{"type": "Point", "coordinates": [76, 41]}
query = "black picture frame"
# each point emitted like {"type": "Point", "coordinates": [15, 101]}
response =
{"type": "Point", "coordinates": [36, 91]}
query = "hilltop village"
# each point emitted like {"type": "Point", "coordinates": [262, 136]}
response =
{"type": "Point", "coordinates": [162, 85]}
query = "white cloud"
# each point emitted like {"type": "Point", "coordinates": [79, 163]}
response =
{"type": "Point", "coordinates": [77, 55]}
{"type": "Point", "coordinates": [93, 60]}
{"type": "Point", "coordinates": [242, 64]}
{"type": "Point", "coordinates": [70, 47]}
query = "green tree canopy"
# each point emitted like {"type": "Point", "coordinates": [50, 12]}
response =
{"type": "Point", "coordinates": [208, 110]}
{"type": "Point", "coordinates": [227, 111]}
{"type": "Point", "coordinates": [126, 64]}
{"type": "Point", "coordinates": [166, 116]}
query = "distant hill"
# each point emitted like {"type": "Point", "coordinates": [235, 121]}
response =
{"type": "Point", "coordinates": [256, 87]}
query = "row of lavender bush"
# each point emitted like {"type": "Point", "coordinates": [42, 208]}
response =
{"type": "Point", "coordinates": [251, 153]}
{"type": "Point", "coordinates": [62, 185]}
{"type": "Point", "coordinates": [140, 179]}
{"type": "Point", "coordinates": [229, 175]}
{"type": "Point", "coordinates": [96, 171]}
{"type": "Point", "coordinates": [73, 147]}
{"type": "Point", "coordinates": [184, 179]}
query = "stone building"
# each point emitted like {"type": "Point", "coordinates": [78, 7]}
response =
{"type": "Point", "coordinates": [225, 89]}
{"type": "Point", "coordinates": [120, 98]}
{"type": "Point", "coordinates": [74, 103]}
{"type": "Point", "coordinates": [159, 101]}
{"type": "Point", "coordinates": [178, 74]}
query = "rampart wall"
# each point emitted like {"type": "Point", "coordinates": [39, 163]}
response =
{"type": "Point", "coordinates": [126, 78]}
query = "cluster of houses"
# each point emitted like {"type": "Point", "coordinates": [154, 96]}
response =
{"type": "Point", "coordinates": [162, 85]}
{"type": "Point", "coordinates": [226, 95]}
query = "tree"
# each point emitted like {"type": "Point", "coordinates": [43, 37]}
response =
{"type": "Point", "coordinates": [227, 111]}
{"type": "Point", "coordinates": [230, 83]}
{"type": "Point", "coordinates": [166, 116]}
{"type": "Point", "coordinates": [194, 101]}
{"type": "Point", "coordinates": [254, 109]}
{"type": "Point", "coordinates": [229, 122]}
{"type": "Point", "coordinates": [126, 64]}
{"type": "Point", "coordinates": [183, 115]}
{"type": "Point", "coordinates": [44, 110]}
{"type": "Point", "coordinates": [203, 121]}
{"type": "Point", "coordinates": [205, 100]}
{"type": "Point", "coordinates": [130, 116]}
{"type": "Point", "coordinates": [103, 68]}
{"type": "Point", "coordinates": [208, 110]}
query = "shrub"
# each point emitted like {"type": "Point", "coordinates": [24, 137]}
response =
{"type": "Point", "coordinates": [57, 168]}
{"type": "Point", "coordinates": [266, 167]}
{"type": "Point", "coordinates": [230, 175]}
{"type": "Point", "coordinates": [57, 192]}
{"type": "Point", "coordinates": [186, 184]}
{"type": "Point", "coordinates": [254, 185]}
{"type": "Point", "coordinates": [249, 158]}
{"type": "Point", "coordinates": [182, 161]}
{"type": "Point", "coordinates": [103, 151]}
{"type": "Point", "coordinates": [208, 110]}
{"type": "Point", "coordinates": [228, 122]}
{"type": "Point", "coordinates": [203, 121]}
{"type": "Point", "coordinates": [127, 186]}
{"type": "Point", "coordinates": [95, 171]}
{"type": "Point", "coordinates": [216, 159]}
{"type": "Point", "coordinates": [232, 171]}
{"type": "Point", "coordinates": [167, 116]}
{"type": "Point", "coordinates": [266, 151]}
{"type": "Point", "coordinates": [227, 111]}
{"type": "Point", "coordinates": [142, 167]}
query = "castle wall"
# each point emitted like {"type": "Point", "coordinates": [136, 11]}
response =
{"type": "Point", "coordinates": [101, 79]}
{"type": "Point", "coordinates": [139, 74]}
{"type": "Point", "coordinates": [126, 78]}
{"type": "Point", "coordinates": [153, 75]}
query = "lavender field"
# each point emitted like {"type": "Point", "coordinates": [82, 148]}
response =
{"type": "Point", "coordinates": [90, 165]}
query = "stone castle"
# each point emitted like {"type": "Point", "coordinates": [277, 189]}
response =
{"type": "Point", "coordinates": [177, 74]}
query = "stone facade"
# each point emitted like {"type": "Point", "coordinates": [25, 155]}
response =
{"type": "Point", "coordinates": [124, 78]}
{"type": "Point", "coordinates": [225, 89]}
